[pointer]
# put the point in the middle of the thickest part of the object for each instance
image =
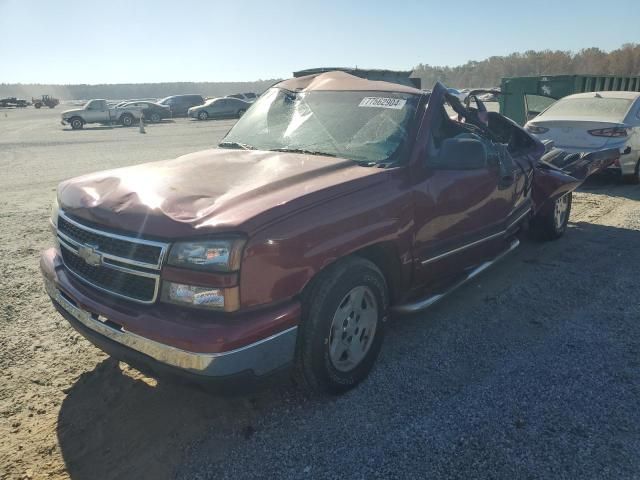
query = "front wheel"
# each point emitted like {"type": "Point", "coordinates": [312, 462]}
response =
{"type": "Point", "coordinates": [203, 115]}
{"type": "Point", "coordinates": [342, 328]}
{"type": "Point", "coordinates": [126, 120]}
{"type": "Point", "coordinates": [551, 224]}
{"type": "Point", "coordinates": [241, 112]}
{"type": "Point", "coordinates": [37, 105]}
{"type": "Point", "coordinates": [76, 123]}
{"type": "Point", "coordinates": [155, 117]}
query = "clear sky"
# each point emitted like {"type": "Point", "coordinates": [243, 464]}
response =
{"type": "Point", "coordinates": [123, 41]}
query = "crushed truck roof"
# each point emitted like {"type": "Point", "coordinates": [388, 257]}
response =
{"type": "Point", "coordinates": [337, 80]}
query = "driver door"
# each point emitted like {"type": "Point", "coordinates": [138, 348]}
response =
{"type": "Point", "coordinates": [96, 111]}
{"type": "Point", "coordinates": [460, 208]}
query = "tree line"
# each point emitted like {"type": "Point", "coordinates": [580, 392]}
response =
{"type": "Point", "coordinates": [133, 90]}
{"type": "Point", "coordinates": [487, 73]}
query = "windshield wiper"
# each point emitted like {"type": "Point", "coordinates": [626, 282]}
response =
{"type": "Point", "coordinates": [243, 146]}
{"type": "Point", "coordinates": [303, 150]}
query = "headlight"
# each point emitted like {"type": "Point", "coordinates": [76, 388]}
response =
{"type": "Point", "coordinates": [225, 299]}
{"type": "Point", "coordinates": [531, 128]}
{"type": "Point", "coordinates": [212, 255]}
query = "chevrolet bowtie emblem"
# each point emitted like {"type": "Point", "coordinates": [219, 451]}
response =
{"type": "Point", "coordinates": [90, 254]}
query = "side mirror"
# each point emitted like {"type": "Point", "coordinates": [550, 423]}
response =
{"type": "Point", "coordinates": [460, 154]}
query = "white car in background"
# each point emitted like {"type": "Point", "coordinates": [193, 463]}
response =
{"type": "Point", "coordinates": [586, 122]}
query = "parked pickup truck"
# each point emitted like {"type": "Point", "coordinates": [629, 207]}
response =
{"type": "Point", "coordinates": [334, 202]}
{"type": "Point", "coordinates": [98, 111]}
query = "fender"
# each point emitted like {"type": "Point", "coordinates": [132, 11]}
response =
{"type": "Point", "coordinates": [558, 173]}
{"type": "Point", "coordinates": [279, 261]}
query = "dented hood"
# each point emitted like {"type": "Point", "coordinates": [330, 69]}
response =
{"type": "Point", "coordinates": [210, 191]}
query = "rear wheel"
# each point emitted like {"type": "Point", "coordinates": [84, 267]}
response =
{"type": "Point", "coordinates": [76, 123]}
{"type": "Point", "coordinates": [552, 224]}
{"type": "Point", "coordinates": [634, 178]}
{"type": "Point", "coordinates": [203, 115]}
{"type": "Point", "coordinates": [126, 120]}
{"type": "Point", "coordinates": [341, 333]}
{"type": "Point", "coordinates": [155, 117]}
{"type": "Point", "coordinates": [37, 105]}
{"type": "Point", "coordinates": [241, 112]}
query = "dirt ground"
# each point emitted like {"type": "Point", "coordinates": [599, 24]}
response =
{"type": "Point", "coordinates": [68, 411]}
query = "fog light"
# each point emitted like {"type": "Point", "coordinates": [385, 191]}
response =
{"type": "Point", "coordinates": [206, 297]}
{"type": "Point", "coordinates": [225, 299]}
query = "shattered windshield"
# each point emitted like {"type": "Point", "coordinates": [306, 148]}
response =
{"type": "Point", "coordinates": [362, 126]}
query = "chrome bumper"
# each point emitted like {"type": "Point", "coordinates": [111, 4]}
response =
{"type": "Point", "coordinates": [261, 357]}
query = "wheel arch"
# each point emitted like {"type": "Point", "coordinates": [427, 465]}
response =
{"type": "Point", "coordinates": [384, 255]}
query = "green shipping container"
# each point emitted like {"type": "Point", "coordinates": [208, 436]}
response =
{"type": "Point", "coordinates": [525, 97]}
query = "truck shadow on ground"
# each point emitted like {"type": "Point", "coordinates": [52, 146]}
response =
{"type": "Point", "coordinates": [114, 424]}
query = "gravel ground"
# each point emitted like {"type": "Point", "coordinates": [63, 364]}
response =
{"type": "Point", "coordinates": [530, 371]}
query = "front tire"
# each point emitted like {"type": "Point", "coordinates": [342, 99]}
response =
{"type": "Point", "coordinates": [76, 123]}
{"type": "Point", "coordinates": [203, 115]}
{"type": "Point", "coordinates": [126, 120]}
{"type": "Point", "coordinates": [551, 224]}
{"type": "Point", "coordinates": [341, 333]}
{"type": "Point", "coordinates": [241, 112]}
{"type": "Point", "coordinates": [155, 117]}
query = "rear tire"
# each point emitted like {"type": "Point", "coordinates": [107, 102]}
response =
{"type": "Point", "coordinates": [203, 115]}
{"type": "Point", "coordinates": [633, 179]}
{"type": "Point", "coordinates": [126, 120]}
{"type": "Point", "coordinates": [76, 123]}
{"type": "Point", "coordinates": [155, 117]}
{"type": "Point", "coordinates": [37, 105]}
{"type": "Point", "coordinates": [343, 320]}
{"type": "Point", "coordinates": [241, 112]}
{"type": "Point", "coordinates": [552, 224]}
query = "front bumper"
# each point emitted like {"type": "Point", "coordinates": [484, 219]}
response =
{"type": "Point", "coordinates": [257, 358]}
{"type": "Point", "coordinates": [626, 165]}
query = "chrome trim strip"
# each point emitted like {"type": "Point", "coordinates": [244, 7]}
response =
{"type": "Point", "coordinates": [463, 247]}
{"type": "Point", "coordinates": [477, 242]}
{"type": "Point", "coordinates": [156, 288]}
{"type": "Point", "coordinates": [76, 244]}
{"type": "Point", "coordinates": [427, 302]}
{"type": "Point", "coordinates": [162, 245]}
{"type": "Point", "coordinates": [524, 214]}
{"type": "Point", "coordinates": [261, 357]}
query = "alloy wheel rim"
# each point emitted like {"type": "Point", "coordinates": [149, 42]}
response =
{"type": "Point", "coordinates": [353, 328]}
{"type": "Point", "coordinates": [560, 210]}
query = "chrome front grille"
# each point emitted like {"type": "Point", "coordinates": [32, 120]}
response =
{"type": "Point", "coordinates": [123, 266]}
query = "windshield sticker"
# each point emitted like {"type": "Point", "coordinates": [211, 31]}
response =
{"type": "Point", "coordinates": [382, 102]}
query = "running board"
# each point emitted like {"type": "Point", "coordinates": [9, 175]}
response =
{"type": "Point", "coordinates": [427, 302]}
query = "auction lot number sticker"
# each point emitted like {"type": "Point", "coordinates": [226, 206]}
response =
{"type": "Point", "coordinates": [383, 102]}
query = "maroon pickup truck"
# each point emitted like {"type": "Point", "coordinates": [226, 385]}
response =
{"type": "Point", "coordinates": [333, 202]}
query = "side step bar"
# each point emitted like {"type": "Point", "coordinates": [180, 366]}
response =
{"type": "Point", "coordinates": [427, 302]}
